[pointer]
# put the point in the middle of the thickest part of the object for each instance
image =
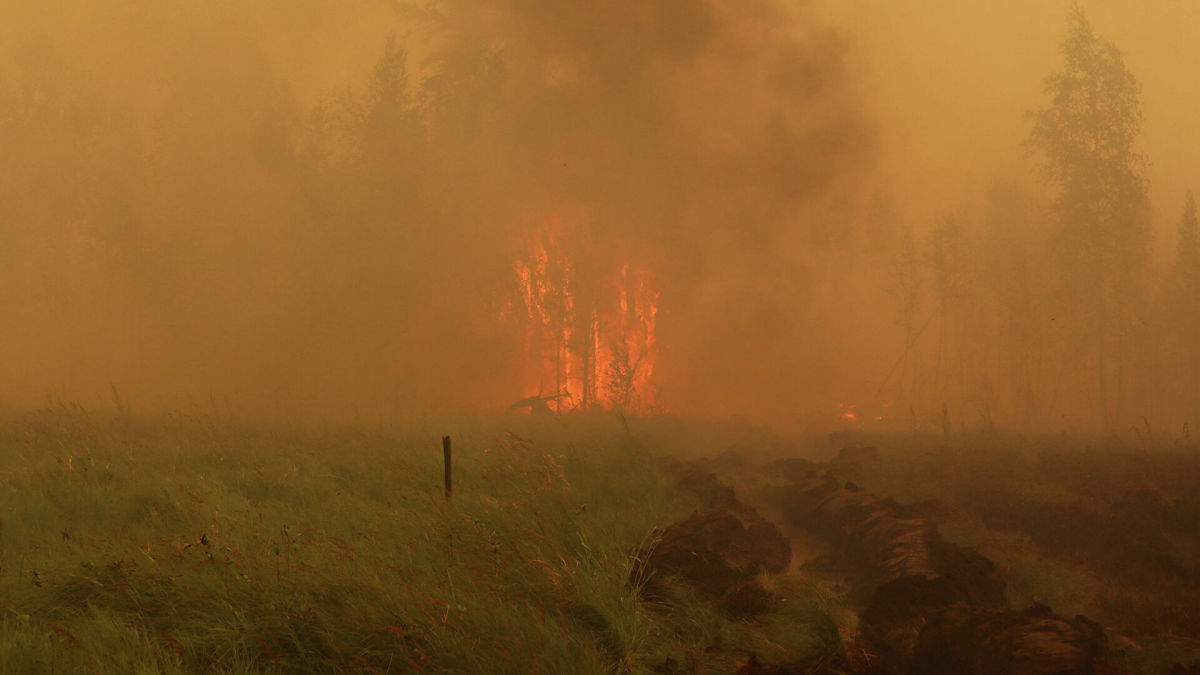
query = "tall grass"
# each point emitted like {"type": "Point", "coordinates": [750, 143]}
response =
{"type": "Point", "coordinates": [185, 545]}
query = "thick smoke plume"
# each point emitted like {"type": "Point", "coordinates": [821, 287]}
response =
{"type": "Point", "coordinates": [316, 209]}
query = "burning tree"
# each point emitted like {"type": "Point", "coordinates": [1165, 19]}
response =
{"type": "Point", "coordinates": [632, 343]}
{"type": "Point", "coordinates": [589, 330]}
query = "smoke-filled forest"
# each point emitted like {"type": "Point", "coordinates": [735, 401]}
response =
{"type": "Point", "coordinates": [554, 336]}
{"type": "Point", "coordinates": [438, 209]}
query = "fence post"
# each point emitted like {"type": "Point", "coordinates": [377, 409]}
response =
{"type": "Point", "coordinates": [446, 459]}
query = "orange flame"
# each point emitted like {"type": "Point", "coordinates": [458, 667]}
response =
{"type": "Point", "coordinates": [589, 339]}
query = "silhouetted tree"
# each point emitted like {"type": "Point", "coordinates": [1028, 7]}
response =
{"type": "Point", "coordinates": [953, 255]}
{"type": "Point", "coordinates": [1086, 138]}
{"type": "Point", "coordinates": [1013, 260]}
{"type": "Point", "coordinates": [905, 287]}
{"type": "Point", "coordinates": [944, 255]}
{"type": "Point", "coordinates": [1181, 305]}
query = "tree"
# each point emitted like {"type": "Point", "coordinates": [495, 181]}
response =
{"type": "Point", "coordinates": [1013, 259]}
{"type": "Point", "coordinates": [945, 256]}
{"type": "Point", "coordinates": [1181, 304]}
{"type": "Point", "coordinates": [1086, 138]}
{"type": "Point", "coordinates": [905, 286]}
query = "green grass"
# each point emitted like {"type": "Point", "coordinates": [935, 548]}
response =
{"type": "Point", "coordinates": [186, 545]}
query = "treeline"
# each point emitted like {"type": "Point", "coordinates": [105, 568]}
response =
{"type": "Point", "coordinates": [199, 233]}
{"type": "Point", "coordinates": [1049, 311]}
{"type": "Point", "coordinates": [184, 227]}
{"type": "Point", "coordinates": [178, 222]}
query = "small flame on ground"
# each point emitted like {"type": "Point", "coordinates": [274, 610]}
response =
{"type": "Point", "coordinates": [846, 412]}
{"type": "Point", "coordinates": [865, 413]}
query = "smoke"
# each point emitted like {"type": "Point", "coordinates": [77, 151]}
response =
{"type": "Point", "coordinates": [305, 208]}
{"type": "Point", "coordinates": [716, 145]}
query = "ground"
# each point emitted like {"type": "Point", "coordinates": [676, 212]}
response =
{"type": "Point", "coordinates": [193, 544]}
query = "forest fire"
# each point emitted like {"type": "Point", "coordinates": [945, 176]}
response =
{"type": "Point", "coordinates": [652, 336]}
{"type": "Point", "coordinates": [589, 329]}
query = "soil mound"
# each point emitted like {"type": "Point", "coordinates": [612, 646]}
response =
{"type": "Point", "coordinates": [1035, 641]}
{"type": "Point", "coordinates": [880, 541]}
{"type": "Point", "coordinates": [715, 551]}
{"type": "Point", "coordinates": [718, 550]}
{"type": "Point", "coordinates": [934, 606]}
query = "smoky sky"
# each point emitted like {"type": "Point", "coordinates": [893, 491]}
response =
{"type": "Point", "coordinates": [316, 209]}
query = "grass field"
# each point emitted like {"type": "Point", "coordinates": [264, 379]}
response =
{"type": "Point", "coordinates": [187, 545]}
{"type": "Point", "coordinates": [184, 544]}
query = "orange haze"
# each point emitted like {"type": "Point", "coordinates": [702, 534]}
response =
{"type": "Point", "coordinates": [330, 209]}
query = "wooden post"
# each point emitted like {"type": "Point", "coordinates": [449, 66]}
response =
{"type": "Point", "coordinates": [945, 426]}
{"type": "Point", "coordinates": [446, 459]}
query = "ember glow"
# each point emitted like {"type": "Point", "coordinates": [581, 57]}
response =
{"type": "Point", "coordinates": [589, 339]}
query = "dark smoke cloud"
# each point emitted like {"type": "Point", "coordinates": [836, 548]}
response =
{"type": "Point", "coordinates": [181, 217]}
